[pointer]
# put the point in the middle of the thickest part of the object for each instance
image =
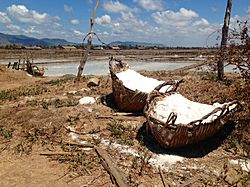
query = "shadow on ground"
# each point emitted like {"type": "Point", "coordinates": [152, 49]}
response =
{"type": "Point", "coordinates": [108, 100]}
{"type": "Point", "coordinates": [191, 151]}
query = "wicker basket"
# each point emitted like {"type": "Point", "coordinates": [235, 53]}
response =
{"type": "Point", "coordinates": [129, 100]}
{"type": "Point", "coordinates": [171, 135]}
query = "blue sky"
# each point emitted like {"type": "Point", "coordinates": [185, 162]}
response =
{"type": "Point", "coordinates": [170, 22]}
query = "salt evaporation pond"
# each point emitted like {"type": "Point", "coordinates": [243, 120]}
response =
{"type": "Point", "coordinates": [54, 68]}
{"type": "Point", "coordinates": [102, 67]}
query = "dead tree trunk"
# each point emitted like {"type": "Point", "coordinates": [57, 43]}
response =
{"type": "Point", "coordinates": [220, 64]}
{"type": "Point", "coordinates": [85, 55]}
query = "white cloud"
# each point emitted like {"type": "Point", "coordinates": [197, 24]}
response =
{"type": "Point", "coordinates": [24, 15]}
{"type": "Point", "coordinates": [105, 33]}
{"type": "Point", "coordinates": [127, 16]}
{"type": "Point", "coordinates": [115, 7]}
{"type": "Point", "coordinates": [151, 4]}
{"type": "Point", "coordinates": [181, 28]}
{"type": "Point", "coordinates": [75, 21]}
{"type": "Point", "coordinates": [248, 9]}
{"type": "Point", "coordinates": [184, 27]}
{"type": "Point", "coordinates": [68, 8]}
{"type": "Point", "coordinates": [104, 20]}
{"type": "Point", "coordinates": [32, 30]}
{"type": "Point", "coordinates": [4, 18]}
{"type": "Point", "coordinates": [13, 27]}
{"type": "Point", "coordinates": [181, 18]}
{"type": "Point", "coordinates": [201, 22]}
{"type": "Point", "coordinates": [127, 25]}
{"type": "Point", "coordinates": [78, 33]}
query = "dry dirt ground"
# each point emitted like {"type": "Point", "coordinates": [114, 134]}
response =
{"type": "Point", "coordinates": [41, 117]}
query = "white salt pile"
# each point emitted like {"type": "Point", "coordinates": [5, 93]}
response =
{"type": "Point", "coordinates": [186, 110]}
{"type": "Point", "coordinates": [135, 81]}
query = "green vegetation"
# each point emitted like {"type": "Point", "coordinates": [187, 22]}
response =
{"type": "Point", "coordinates": [6, 133]}
{"type": "Point", "coordinates": [58, 82]}
{"type": "Point", "coordinates": [24, 91]}
{"type": "Point", "coordinates": [121, 133]}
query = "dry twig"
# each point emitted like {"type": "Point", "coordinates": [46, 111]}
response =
{"type": "Point", "coordinates": [110, 166]}
{"type": "Point", "coordinates": [163, 178]}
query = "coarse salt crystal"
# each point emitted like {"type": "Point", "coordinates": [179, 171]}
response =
{"type": "Point", "coordinates": [135, 81]}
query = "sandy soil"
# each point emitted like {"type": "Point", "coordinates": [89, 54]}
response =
{"type": "Point", "coordinates": [41, 115]}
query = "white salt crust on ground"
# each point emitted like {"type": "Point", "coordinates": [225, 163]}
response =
{"type": "Point", "coordinates": [186, 110]}
{"type": "Point", "coordinates": [165, 161]}
{"type": "Point", "coordinates": [135, 81]}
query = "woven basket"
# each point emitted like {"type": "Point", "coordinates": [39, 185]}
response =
{"type": "Point", "coordinates": [129, 100]}
{"type": "Point", "coordinates": [171, 135]}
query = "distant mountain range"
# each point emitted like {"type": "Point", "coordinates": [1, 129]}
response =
{"type": "Point", "coordinates": [135, 44]}
{"type": "Point", "coordinates": [6, 39]}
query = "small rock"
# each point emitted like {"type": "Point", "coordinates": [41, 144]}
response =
{"type": "Point", "coordinates": [85, 89]}
{"type": "Point", "coordinates": [93, 82]}
{"type": "Point", "coordinates": [90, 110]}
{"type": "Point", "coordinates": [87, 100]}
{"type": "Point", "coordinates": [71, 92]}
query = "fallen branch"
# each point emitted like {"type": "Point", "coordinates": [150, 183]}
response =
{"type": "Point", "coordinates": [55, 153]}
{"type": "Point", "coordinates": [163, 178]}
{"type": "Point", "coordinates": [110, 166]}
{"type": "Point", "coordinates": [80, 145]}
{"type": "Point", "coordinates": [95, 178]}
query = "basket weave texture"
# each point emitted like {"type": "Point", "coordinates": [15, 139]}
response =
{"type": "Point", "coordinates": [128, 100]}
{"type": "Point", "coordinates": [171, 135]}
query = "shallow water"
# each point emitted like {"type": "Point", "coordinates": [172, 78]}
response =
{"type": "Point", "coordinates": [54, 68]}
{"type": "Point", "coordinates": [102, 67]}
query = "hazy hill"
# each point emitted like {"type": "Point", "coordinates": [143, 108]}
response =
{"type": "Point", "coordinates": [135, 44]}
{"type": "Point", "coordinates": [6, 39]}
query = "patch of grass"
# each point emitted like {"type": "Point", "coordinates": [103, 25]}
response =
{"type": "Point", "coordinates": [23, 91]}
{"type": "Point", "coordinates": [44, 104]}
{"type": "Point", "coordinates": [120, 132]}
{"type": "Point", "coordinates": [245, 179]}
{"type": "Point", "coordinates": [45, 135]}
{"type": "Point", "coordinates": [79, 160]}
{"type": "Point", "coordinates": [34, 134]}
{"type": "Point", "coordinates": [59, 82]}
{"type": "Point", "coordinates": [33, 103]}
{"type": "Point", "coordinates": [65, 103]}
{"type": "Point", "coordinates": [6, 133]}
{"type": "Point", "coordinates": [139, 163]}
{"type": "Point", "coordinates": [95, 130]}
{"type": "Point", "coordinates": [238, 141]}
{"type": "Point", "coordinates": [4, 95]}
{"type": "Point", "coordinates": [23, 148]}
{"type": "Point", "coordinates": [58, 103]}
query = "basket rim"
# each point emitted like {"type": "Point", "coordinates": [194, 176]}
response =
{"type": "Point", "coordinates": [155, 96]}
{"type": "Point", "coordinates": [117, 66]}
